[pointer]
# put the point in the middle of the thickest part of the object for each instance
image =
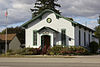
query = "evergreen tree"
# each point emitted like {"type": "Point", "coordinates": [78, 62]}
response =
{"type": "Point", "coordinates": [99, 21]}
{"type": "Point", "coordinates": [41, 5]}
{"type": "Point", "coordinates": [97, 33]}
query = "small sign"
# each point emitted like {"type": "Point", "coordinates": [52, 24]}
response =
{"type": "Point", "coordinates": [45, 32]}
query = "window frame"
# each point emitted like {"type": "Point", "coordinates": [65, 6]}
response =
{"type": "Point", "coordinates": [79, 37]}
{"type": "Point", "coordinates": [63, 37]}
{"type": "Point", "coordinates": [34, 37]}
{"type": "Point", "coordinates": [84, 38]}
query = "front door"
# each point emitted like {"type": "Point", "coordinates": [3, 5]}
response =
{"type": "Point", "coordinates": [45, 42]}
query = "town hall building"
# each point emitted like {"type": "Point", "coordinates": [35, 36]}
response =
{"type": "Point", "coordinates": [49, 29]}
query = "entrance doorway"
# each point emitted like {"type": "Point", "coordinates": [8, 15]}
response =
{"type": "Point", "coordinates": [45, 43]}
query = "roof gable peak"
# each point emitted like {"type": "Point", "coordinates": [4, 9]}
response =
{"type": "Point", "coordinates": [43, 12]}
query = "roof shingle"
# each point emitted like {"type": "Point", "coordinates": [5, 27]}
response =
{"type": "Point", "coordinates": [9, 37]}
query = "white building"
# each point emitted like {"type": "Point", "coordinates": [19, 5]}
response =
{"type": "Point", "coordinates": [49, 29]}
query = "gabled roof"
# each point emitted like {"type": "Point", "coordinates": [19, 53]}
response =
{"type": "Point", "coordinates": [57, 15]}
{"type": "Point", "coordinates": [47, 28]}
{"type": "Point", "coordinates": [43, 12]}
{"type": "Point", "coordinates": [9, 37]}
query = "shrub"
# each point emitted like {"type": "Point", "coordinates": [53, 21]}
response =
{"type": "Point", "coordinates": [72, 48]}
{"type": "Point", "coordinates": [10, 51]}
{"type": "Point", "coordinates": [59, 50]}
{"type": "Point", "coordinates": [64, 51]}
{"type": "Point", "coordinates": [93, 47]}
{"type": "Point", "coordinates": [55, 50]}
{"type": "Point", "coordinates": [82, 50]}
{"type": "Point", "coordinates": [14, 52]}
{"type": "Point", "coordinates": [30, 51]}
{"type": "Point", "coordinates": [25, 51]}
{"type": "Point", "coordinates": [76, 51]}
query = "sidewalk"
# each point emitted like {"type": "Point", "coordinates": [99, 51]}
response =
{"type": "Point", "coordinates": [36, 56]}
{"type": "Point", "coordinates": [47, 56]}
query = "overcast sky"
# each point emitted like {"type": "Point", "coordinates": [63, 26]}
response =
{"type": "Point", "coordinates": [83, 11]}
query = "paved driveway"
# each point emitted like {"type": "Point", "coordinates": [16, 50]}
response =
{"type": "Point", "coordinates": [87, 61]}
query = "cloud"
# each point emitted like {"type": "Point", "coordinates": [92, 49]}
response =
{"type": "Point", "coordinates": [84, 8]}
{"type": "Point", "coordinates": [92, 24]}
{"type": "Point", "coordinates": [19, 10]}
{"type": "Point", "coordinates": [24, 1]}
{"type": "Point", "coordinates": [5, 4]}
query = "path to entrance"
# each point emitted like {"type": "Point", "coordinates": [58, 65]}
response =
{"type": "Point", "coordinates": [87, 61]}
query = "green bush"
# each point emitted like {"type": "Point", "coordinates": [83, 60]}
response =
{"type": "Point", "coordinates": [72, 48]}
{"type": "Point", "coordinates": [25, 51]}
{"type": "Point", "coordinates": [82, 50]}
{"type": "Point", "coordinates": [76, 51]}
{"type": "Point", "coordinates": [93, 47]}
{"type": "Point", "coordinates": [14, 52]}
{"type": "Point", "coordinates": [30, 51]}
{"type": "Point", "coordinates": [64, 50]}
{"type": "Point", "coordinates": [55, 50]}
{"type": "Point", "coordinates": [59, 50]}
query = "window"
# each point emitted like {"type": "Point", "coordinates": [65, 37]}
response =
{"type": "Point", "coordinates": [63, 37]}
{"type": "Point", "coordinates": [79, 38]}
{"type": "Point", "coordinates": [89, 38]}
{"type": "Point", "coordinates": [34, 37]}
{"type": "Point", "coordinates": [84, 38]}
{"type": "Point", "coordinates": [69, 39]}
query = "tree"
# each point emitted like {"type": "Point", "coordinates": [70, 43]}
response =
{"type": "Point", "coordinates": [20, 33]}
{"type": "Point", "coordinates": [41, 5]}
{"type": "Point", "coordinates": [93, 47]}
{"type": "Point", "coordinates": [99, 20]}
{"type": "Point", "coordinates": [97, 33]}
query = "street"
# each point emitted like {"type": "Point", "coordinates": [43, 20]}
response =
{"type": "Point", "coordinates": [82, 61]}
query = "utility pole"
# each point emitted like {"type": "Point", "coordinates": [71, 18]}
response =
{"type": "Point", "coordinates": [99, 20]}
{"type": "Point", "coordinates": [6, 14]}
